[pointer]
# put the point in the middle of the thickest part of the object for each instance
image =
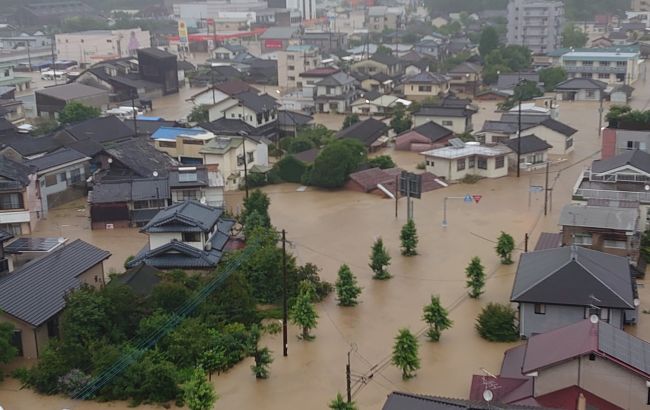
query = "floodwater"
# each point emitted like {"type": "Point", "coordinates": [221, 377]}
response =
{"type": "Point", "coordinates": [331, 228]}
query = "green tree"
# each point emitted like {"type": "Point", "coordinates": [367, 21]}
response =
{"type": "Point", "coordinates": [645, 246]}
{"type": "Point", "coordinates": [437, 317]}
{"type": "Point", "coordinates": [409, 238]}
{"type": "Point", "coordinates": [347, 289]}
{"type": "Point", "coordinates": [340, 404]}
{"type": "Point", "coordinates": [199, 113]}
{"type": "Point", "coordinates": [573, 37]}
{"type": "Point", "coordinates": [198, 392]}
{"type": "Point", "coordinates": [382, 162]}
{"type": "Point", "coordinates": [617, 111]}
{"type": "Point", "coordinates": [475, 273]}
{"type": "Point", "coordinates": [81, 23]}
{"type": "Point", "coordinates": [76, 112]}
{"type": "Point", "coordinates": [214, 360]}
{"type": "Point", "coordinates": [253, 221]}
{"type": "Point", "coordinates": [7, 350]}
{"type": "Point", "coordinates": [489, 40]}
{"type": "Point", "coordinates": [262, 361]}
{"type": "Point", "coordinates": [43, 126]}
{"type": "Point", "coordinates": [336, 161]}
{"type": "Point", "coordinates": [496, 323]}
{"type": "Point", "coordinates": [169, 296]}
{"type": "Point", "coordinates": [400, 121]}
{"type": "Point", "coordinates": [290, 169]}
{"type": "Point", "coordinates": [504, 248]}
{"type": "Point", "coordinates": [379, 260]}
{"type": "Point", "coordinates": [319, 134]}
{"type": "Point", "coordinates": [350, 119]}
{"type": "Point", "coordinates": [405, 353]}
{"type": "Point", "coordinates": [383, 50]}
{"type": "Point", "coordinates": [257, 201]}
{"type": "Point", "coordinates": [303, 313]}
{"type": "Point", "coordinates": [299, 144]}
{"type": "Point", "coordinates": [551, 77]}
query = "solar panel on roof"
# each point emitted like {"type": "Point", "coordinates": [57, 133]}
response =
{"type": "Point", "coordinates": [34, 244]}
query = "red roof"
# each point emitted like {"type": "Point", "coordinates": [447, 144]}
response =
{"type": "Point", "coordinates": [568, 399]}
{"type": "Point", "coordinates": [505, 390]}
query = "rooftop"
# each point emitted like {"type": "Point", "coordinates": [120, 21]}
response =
{"type": "Point", "coordinates": [634, 158]}
{"type": "Point", "coordinates": [71, 91]}
{"type": "Point", "coordinates": [466, 151]}
{"type": "Point", "coordinates": [529, 144]}
{"type": "Point", "coordinates": [599, 55]}
{"type": "Point", "coordinates": [604, 217]}
{"type": "Point", "coordinates": [187, 216]}
{"type": "Point", "coordinates": [367, 131]}
{"type": "Point", "coordinates": [443, 112]}
{"type": "Point", "coordinates": [141, 157]}
{"type": "Point", "coordinates": [172, 133]}
{"type": "Point", "coordinates": [56, 159]}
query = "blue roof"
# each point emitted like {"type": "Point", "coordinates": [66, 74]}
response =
{"type": "Point", "coordinates": [302, 47]}
{"type": "Point", "coordinates": [145, 118]}
{"type": "Point", "coordinates": [169, 133]}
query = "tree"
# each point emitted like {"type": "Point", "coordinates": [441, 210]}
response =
{"type": "Point", "coordinates": [496, 323]}
{"type": "Point", "coordinates": [347, 289]}
{"type": "Point", "coordinates": [400, 122]}
{"type": "Point", "coordinates": [340, 404]}
{"type": "Point", "coordinates": [213, 360]}
{"type": "Point", "coordinates": [44, 126]}
{"type": "Point", "coordinates": [409, 238]}
{"type": "Point", "coordinates": [645, 246]}
{"type": "Point", "coordinates": [617, 111]}
{"type": "Point", "coordinates": [504, 248]}
{"type": "Point", "coordinates": [475, 277]}
{"type": "Point", "coordinates": [437, 318]}
{"type": "Point", "coordinates": [303, 312]}
{"type": "Point", "coordinates": [299, 144]}
{"type": "Point", "coordinates": [405, 353]}
{"type": "Point", "coordinates": [169, 296]}
{"type": "Point", "coordinates": [7, 350]}
{"type": "Point", "coordinates": [76, 112]}
{"type": "Point", "coordinates": [336, 161]}
{"type": "Point", "coordinates": [198, 392]}
{"type": "Point", "coordinates": [200, 113]}
{"type": "Point", "coordinates": [551, 77]}
{"type": "Point", "coordinates": [350, 119]}
{"type": "Point", "coordinates": [262, 361]}
{"type": "Point", "coordinates": [257, 201]}
{"type": "Point", "coordinates": [573, 38]}
{"type": "Point", "coordinates": [290, 169]}
{"type": "Point", "coordinates": [379, 260]}
{"type": "Point", "coordinates": [382, 49]}
{"type": "Point", "coordinates": [381, 162]}
{"type": "Point", "coordinates": [489, 40]}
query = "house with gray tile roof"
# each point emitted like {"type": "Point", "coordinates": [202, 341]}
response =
{"type": "Point", "coordinates": [33, 296]}
{"type": "Point", "coordinates": [561, 286]}
{"type": "Point", "coordinates": [580, 89]}
{"type": "Point", "coordinates": [19, 204]}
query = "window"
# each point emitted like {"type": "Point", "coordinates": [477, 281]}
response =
{"type": "Point", "coordinates": [11, 201]}
{"type": "Point", "coordinates": [187, 177]}
{"type": "Point", "coordinates": [240, 160]}
{"type": "Point", "coordinates": [6, 73]}
{"type": "Point", "coordinates": [424, 88]}
{"type": "Point", "coordinates": [460, 164]}
{"type": "Point", "coordinates": [603, 76]}
{"type": "Point", "coordinates": [621, 63]}
{"type": "Point", "coordinates": [447, 123]}
{"type": "Point", "coordinates": [291, 68]}
{"type": "Point", "coordinates": [586, 75]}
{"type": "Point", "coordinates": [633, 145]}
{"type": "Point", "coordinates": [588, 63]}
{"type": "Point", "coordinates": [53, 327]}
{"type": "Point", "coordinates": [290, 57]}
{"type": "Point", "coordinates": [603, 63]}
{"type": "Point", "coordinates": [569, 143]}
{"type": "Point", "coordinates": [167, 144]}
{"type": "Point", "coordinates": [471, 162]}
{"type": "Point", "coordinates": [191, 237]}
{"type": "Point", "coordinates": [499, 162]}
{"type": "Point", "coordinates": [75, 175]}
{"type": "Point", "coordinates": [149, 204]}
{"type": "Point", "coordinates": [13, 229]}
{"type": "Point", "coordinates": [62, 177]}
{"type": "Point", "coordinates": [291, 78]}
{"type": "Point", "coordinates": [50, 180]}
{"type": "Point", "coordinates": [109, 41]}
{"type": "Point", "coordinates": [609, 243]}
{"type": "Point", "coordinates": [184, 195]}
{"type": "Point", "coordinates": [591, 93]}
{"type": "Point", "coordinates": [251, 157]}
{"type": "Point", "coordinates": [192, 142]}
{"type": "Point", "coordinates": [481, 163]}
{"type": "Point", "coordinates": [540, 309]}
{"type": "Point", "coordinates": [582, 239]}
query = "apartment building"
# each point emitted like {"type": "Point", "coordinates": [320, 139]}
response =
{"type": "Point", "coordinates": [612, 67]}
{"type": "Point", "coordinates": [294, 61]}
{"type": "Point", "coordinates": [92, 46]}
{"type": "Point", "coordinates": [536, 24]}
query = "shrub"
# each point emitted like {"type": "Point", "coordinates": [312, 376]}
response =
{"type": "Point", "coordinates": [496, 323]}
{"type": "Point", "coordinates": [72, 381]}
{"type": "Point", "coordinates": [470, 179]}
{"type": "Point", "coordinates": [421, 165]}
{"type": "Point", "coordinates": [299, 144]}
{"type": "Point", "coordinates": [289, 169]}
{"type": "Point", "coordinates": [382, 162]}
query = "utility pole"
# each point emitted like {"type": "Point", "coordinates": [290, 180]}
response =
{"type": "Point", "coordinates": [243, 141]}
{"type": "Point", "coordinates": [135, 123]}
{"type": "Point", "coordinates": [348, 379]}
{"type": "Point", "coordinates": [53, 59]}
{"type": "Point", "coordinates": [284, 294]}
{"type": "Point", "coordinates": [29, 57]}
{"type": "Point", "coordinates": [526, 242]}
{"type": "Point", "coordinates": [600, 114]}
{"type": "Point", "coordinates": [396, 194]}
{"type": "Point", "coordinates": [546, 191]}
{"type": "Point", "coordinates": [519, 130]}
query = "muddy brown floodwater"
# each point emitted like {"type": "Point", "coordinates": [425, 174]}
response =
{"type": "Point", "coordinates": [331, 228]}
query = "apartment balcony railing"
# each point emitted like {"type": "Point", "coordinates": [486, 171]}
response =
{"type": "Point", "coordinates": [613, 195]}
{"type": "Point", "coordinates": [594, 69]}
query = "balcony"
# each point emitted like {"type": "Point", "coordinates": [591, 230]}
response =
{"type": "Point", "coordinates": [587, 193]}
{"type": "Point", "coordinates": [12, 217]}
{"type": "Point", "coordinates": [594, 69]}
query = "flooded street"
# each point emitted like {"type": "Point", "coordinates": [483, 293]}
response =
{"type": "Point", "coordinates": [331, 228]}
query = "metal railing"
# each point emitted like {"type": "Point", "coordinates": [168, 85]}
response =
{"type": "Point", "coordinates": [613, 195]}
{"type": "Point", "coordinates": [594, 69]}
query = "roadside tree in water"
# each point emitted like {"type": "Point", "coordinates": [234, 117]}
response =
{"type": "Point", "coordinates": [303, 313]}
{"type": "Point", "coordinates": [400, 121]}
{"type": "Point", "coordinates": [340, 404]}
{"type": "Point", "coordinates": [335, 162]}
{"type": "Point", "coordinates": [496, 323]}
{"type": "Point", "coordinates": [198, 392]}
{"type": "Point", "coordinates": [347, 289]}
{"type": "Point", "coordinates": [7, 350]}
{"type": "Point", "coordinates": [409, 238]}
{"type": "Point", "coordinates": [504, 248]}
{"type": "Point", "coordinates": [262, 361]}
{"type": "Point", "coordinates": [475, 273]}
{"type": "Point", "coordinates": [405, 353]}
{"type": "Point", "coordinates": [75, 112]}
{"type": "Point", "coordinates": [382, 162]}
{"type": "Point", "coordinates": [379, 260]}
{"type": "Point", "coordinates": [257, 201]}
{"type": "Point", "coordinates": [437, 318]}
{"type": "Point", "coordinates": [350, 119]}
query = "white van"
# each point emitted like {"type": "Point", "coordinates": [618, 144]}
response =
{"type": "Point", "coordinates": [51, 75]}
{"type": "Point", "coordinates": [123, 113]}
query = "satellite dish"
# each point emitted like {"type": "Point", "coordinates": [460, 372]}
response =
{"type": "Point", "coordinates": [593, 319]}
{"type": "Point", "coordinates": [488, 395]}
{"type": "Point", "coordinates": [155, 173]}
{"type": "Point", "coordinates": [637, 302]}
{"type": "Point", "coordinates": [110, 160]}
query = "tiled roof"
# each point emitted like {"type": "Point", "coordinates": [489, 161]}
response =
{"type": "Point", "coordinates": [529, 144]}
{"type": "Point", "coordinates": [410, 401]}
{"type": "Point", "coordinates": [635, 158]}
{"type": "Point", "coordinates": [602, 217]}
{"type": "Point", "coordinates": [57, 158]}
{"type": "Point", "coordinates": [26, 145]}
{"type": "Point", "coordinates": [177, 255]}
{"type": "Point", "coordinates": [581, 84]}
{"type": "Point", "coordinates": [258, 103]}
{"type": "Point", "coordinates": [36, 291]}
{"type": "Point", "coordinates": [102, 130]}
{"type": "Point", "coordinates": [548, 240]}
{"type": "Point", "coordinates": [141, 157]}
{"type": "Point", "coordinates": [67, 92]}
{"type": "Point", "coordinates": [386, 59]}
{"type": "Point", "coordinates": [367, 131]}
{"type": "Point", "coordinates": [433, 131]}
{"type": "Point", "coordinates": [15, 172]}
{"type": "Point", "coordinates": [129, 190]}
{"type": "Point", "coordinates": [187, 216]}
{"type": "Point", "coordinates": [426, 77]}
{"type": "Point", "coordinates": [443, 112]}
{"type": "Point", "coordinates": [558, 126]}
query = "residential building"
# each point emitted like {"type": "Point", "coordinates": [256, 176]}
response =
{"type": "Point", "coordinates": [619, 140]}
{"type": "Point", "coordinates": [9, 79]}
{"type": "Point", "coordinates": [412, 401]}
{"type": "Point", "coordinates": [51, 13]}
{"type": "Point", "coordinates": [380, 83]}
{"type": "Point", "coordinates": [465, 78]}
{"type": "Point", "coordinates": [425, 85]}
{"type": "Point", "coordinates": [425, 137]}
{"type": "Point", "coordinates": [379, 63]}
{"type": "Point", "coordinates": [372, 133]}
{"type": "Point", "coordinates": [61, 177]}
{"type": "Point", "coordinates": [278, 39]}
{"type": "Point", "coordinates": [182, 144]}
{"type": "Point", "coordinates": [228, 153]}
{"type": "Point", "coordinates": [160, 67]}
{"type": "Point", "coordinates": [133, 158]}
{"type": "Point", "coordinates": [557, 134]}
{"type": "Point", "coordinates": [228, 51]}
{"type": "Point", "coordinates": [582, 365]}
{"type": "Point", "coordinates": [19, 204]}
{"type": "Point", "coordinates": [93, 46]}
{"type": "Point", "coordinates": [533, 152]}
{"type": "Point", "coordinates": [290, 122]}
{"type": "Point", "coordinates": [461, 159]}
{"type": "Point", "coordinates": [11, 109]}
{"type": "Point", "coordinates": [369, 104]}
{"type": "Point", "coordinates": [457, 119]}
{"type": "Point", "coordinates": [187, 235]}
{"type": "Point", "coordinates": [295, 60]}
{"type": "Point", "coordinates": [326, 41]}
{"type": "Point", "coordinates": [562, 286]}
{"type": "Point", "coordinates": [606, 229]}
{"type": "Point", "coordinates": [580, 89]}
{"type": "Point", "coordinates": [381, 18]}
{"type": "Point", "coordinates": [51, 100]}
{"type": "Point", "coordinates": [92, 136]}
{"type": "Point", "coordinates": [432, 46]}
{"type": "Point", "coordinates": [611, 67]}
{"type": "Point", "coordinates": [621, 94]}
{"type": "Point", "coordinates": [536, 24]}
{"type": "Point", "coordinates": [335, 93]}
{"type": "Point", "coordinates": [202, 183]}
{"type": "Point", "coordinates": [619, 179]}
{"type": "Point", "coordinates": [33, 296]}
{"type": "Point", "coordinates": [508, 81]}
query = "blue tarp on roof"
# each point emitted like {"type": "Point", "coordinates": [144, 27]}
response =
{"type": "Point", "coordinates": [171, 133]}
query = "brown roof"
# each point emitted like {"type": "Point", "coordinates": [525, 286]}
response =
{"type": "Point", "coordinates": [549, 240]}
{"type": "Point", "coordinates": [369, 178]}
{"type": "Point", "coordinates": [234, 87]}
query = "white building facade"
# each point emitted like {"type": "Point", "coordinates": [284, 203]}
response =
{"type": "Point", "coordinates": [93, 46]}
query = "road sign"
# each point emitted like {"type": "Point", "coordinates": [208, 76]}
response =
{"type": "Point", "coordinates": [477, 198]}
{"type": "Point", "coordinates": [410, 184]}
{"type": "Point", "coordinates": [535, 188]}
{"type": "Point", "coordinates": [467, 199]}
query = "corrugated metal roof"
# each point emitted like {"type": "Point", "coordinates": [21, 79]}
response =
{"type": "Point", "coordinates": [57, 158]}
{"type": "Point", "coordinates": [620, 219]}
{"type": "Point", "coordinates": [35, 292]}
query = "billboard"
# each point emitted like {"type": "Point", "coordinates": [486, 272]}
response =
{"type": "Point", "coordinates": [276, 44]}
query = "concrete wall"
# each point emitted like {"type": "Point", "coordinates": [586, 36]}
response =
{"type": "Point", "coordinates": [291, 64]}
{"type": "Point", "coordinates": [159, 239]}
{"type": "Point", "coordinates": [556, 316]}
{"type": "Point", "coordinates": [91, 47]}
{"type": "Point", "coordinates": [34, 340]}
